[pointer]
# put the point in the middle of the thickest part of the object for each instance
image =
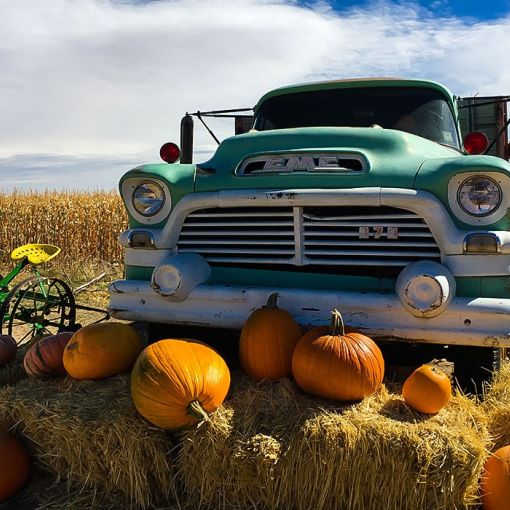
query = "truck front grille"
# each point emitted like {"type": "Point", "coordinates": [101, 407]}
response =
{"type": "Point", "coordinates": [308, 237]}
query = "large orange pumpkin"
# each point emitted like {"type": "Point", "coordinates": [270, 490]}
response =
{"type": "Point", "coordinates": [496, 481]}
{"type": "Point", "coordinates": [45, 357]}
{"type": "Point", "coordinates": [102, 350]}
{"type": "Point", "coordinates": [427, 389]}
{"type": "Point", "coordinates": [8, 349]}
{"type": "Point", "coordinates": [337, 365]}
{"type": "Point", "coordinates": [267, 342]}
{"type": "Point", "coordinates": [14, 466]}
{"type": "Point", "coordinates": [176, 382]}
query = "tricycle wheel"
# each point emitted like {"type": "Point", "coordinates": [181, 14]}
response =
{"type": "Point", "coordinates": [38, 305]}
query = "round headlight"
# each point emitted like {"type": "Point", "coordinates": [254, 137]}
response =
{"type": "Point", "coordinates": [479, 195]}
{"type": "Point", "coordinates": [148, 198]}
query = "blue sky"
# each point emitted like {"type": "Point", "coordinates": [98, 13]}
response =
{"type": "Point", "coordinates": [473, 9]}
{"type": "Point", "coordinates": [90, 88]}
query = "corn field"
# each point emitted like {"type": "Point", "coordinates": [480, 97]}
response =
{"type": "Point", "coordinates": [85, 225]}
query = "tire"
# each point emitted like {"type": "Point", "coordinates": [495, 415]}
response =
{"type": "Point", "coordinates": [474, 367]}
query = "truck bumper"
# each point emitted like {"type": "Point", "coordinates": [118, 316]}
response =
{"type": "Point", "coordinates": [465, 321]}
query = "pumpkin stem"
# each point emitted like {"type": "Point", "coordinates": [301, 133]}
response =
{"type": "Point", "coordinates": [197, 411]}
{"type": "Point", "coordinates": [337, 327]}
{"type": "Point", "coordinates": [271, 301]}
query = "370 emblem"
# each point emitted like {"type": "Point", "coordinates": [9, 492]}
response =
{"type": "Point", "coordinates": [378, 232]}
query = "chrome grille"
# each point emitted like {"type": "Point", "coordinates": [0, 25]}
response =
{"type": "Point", "coordinates": [308, 236]}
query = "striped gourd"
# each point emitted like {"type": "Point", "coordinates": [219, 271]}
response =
{"type": "Point", "coordinates": [44, 358]}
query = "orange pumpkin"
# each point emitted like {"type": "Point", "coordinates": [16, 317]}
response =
{"type": "Point", "coordinates": [496, 481]}
{"type": "Point", "coordinates": [267, 342]}
{"type": "Point", "coordinates": [337, 365]}
{"type": "Point", "coordinates": [14, 466]}
{"type": "Point", "coordinates": [45, 357]}
{"type": "Point", "coordinates": [427, 390]}
{"type": "Point", "coordinates": [176, 383]}
{"type": "Point", "coordinates": [102, 350]}
{"type": "Point", "coordinates": [8, 349]}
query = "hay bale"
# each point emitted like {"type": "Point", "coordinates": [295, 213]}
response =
{"type": "Point", "coordinates": [46, 492]}
{"type": "Point", "coordinates": [89, 433]}
{"type": "Point", "coordinates": [496, 405]}
{"type": "Point", "coordinates": [270, 446]}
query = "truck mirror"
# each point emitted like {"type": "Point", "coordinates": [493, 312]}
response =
{"type": "Point", "coordinates": [187, 139]}
{"type": "Point", "coordinates": [243, 123]}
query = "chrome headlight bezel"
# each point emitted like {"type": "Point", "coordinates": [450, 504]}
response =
{"type": "Point", "coordinates": [144, 204]}
{"type": "Point", "coordinates": [466, 200]}
{"type": "Point", "coordinates": [460, 207]}
{"type": "Point", "coordinates": [128, 189]}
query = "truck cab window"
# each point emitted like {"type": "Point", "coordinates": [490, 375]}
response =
{"type": "Point", "coordinates": [423, 112]}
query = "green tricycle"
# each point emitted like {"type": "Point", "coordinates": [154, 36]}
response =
{"type": "Point", "coordinates": [37, 304]}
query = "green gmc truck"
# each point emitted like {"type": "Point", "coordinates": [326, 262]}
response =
{"type": "Point", "coordinates": [373, 196]}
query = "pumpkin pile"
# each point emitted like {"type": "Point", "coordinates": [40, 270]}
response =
{"type": "Point", "coordinates": [45, 358]}
{"type": "Point", "coordinates": [496, 480]}
{"type": "Point", "coordinates": [350, 365]}
{"type": "Point", "coordinates": [98, 351]}
{"type": "Point", "coordinates": [268, 339]}
{"type": "Point", "coordinates": [271, 442]}
{"type": "Point", "coordinates": [14, 466]}
{"type": "Point", "coordinates": [8, 349]}
{"type": "Point", "coordinates": [175, 383]}
{"type": "Point", "coordinates": [427, 390]}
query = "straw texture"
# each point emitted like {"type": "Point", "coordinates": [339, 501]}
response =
{"type": "Point", "coordinates": [271, 447]}
{"type": "Point", "coordinates": [88, 433]}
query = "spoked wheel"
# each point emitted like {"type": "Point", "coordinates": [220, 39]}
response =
{"type": "Point", "coordinates": [38, 306]}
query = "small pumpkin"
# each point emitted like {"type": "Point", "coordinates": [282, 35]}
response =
{"type": "Point", "coordinates": [14, 466]}
{"type": "Point", "coordinates": [102, 350]}
{"type": "Point", "coordinates": [268, 339]}
{"type": "Point", "coordinates": [45, 357]}
{"type": "Point", "coordinates": [336, 364]}
{"type": "Point", "coordinates": [175, 383]}
{"type": "Point", "coordinates": [8, 349]}
{"type": "Point", "coordinates": [427, 390]}
{"type": "Point", "coordinates": [496, 481]}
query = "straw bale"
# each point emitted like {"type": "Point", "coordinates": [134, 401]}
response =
{"type": "Point", "coordinates": [45, 492]}
{"type": "Point", "coordinates": [272, 447]}
{"type": "Point", "coordinates": [89, 433]}
{"type": "Point", "coordinates": [496, 405]}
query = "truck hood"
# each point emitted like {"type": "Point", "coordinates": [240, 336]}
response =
{"type": "Point", "coordinates": [390, 158]}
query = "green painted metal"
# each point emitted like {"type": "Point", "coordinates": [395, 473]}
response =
{"type": "Point", "coordinates": [179, 178]}
{"type": "Point", "coordinates": [290, 279]}
{"type": "Point", "coordinates": [494, 287]}
{"type": "Point", "coordinates": [434, 175]}
{"type": "Point", "coordinates": [143, 273]}
{"type": "Point", "coordinates": [393, 158]}
{"type": "Point", "coordinates": [357, 83]}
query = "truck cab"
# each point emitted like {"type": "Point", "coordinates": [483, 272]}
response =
{"type": "Point", "coordinates": [355, 194]}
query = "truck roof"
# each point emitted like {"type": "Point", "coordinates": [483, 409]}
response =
{"type": "Point", "coordinates": [354, 83]}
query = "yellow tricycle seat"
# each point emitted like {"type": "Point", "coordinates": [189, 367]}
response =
{"type": "Point", "coordinates": [35, 253]}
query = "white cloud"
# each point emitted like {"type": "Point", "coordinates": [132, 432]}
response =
{"type": "Point", "coordinates": [97, 78]}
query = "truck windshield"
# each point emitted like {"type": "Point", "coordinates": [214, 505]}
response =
{"type": "Point", "coordinates": [420, 111]}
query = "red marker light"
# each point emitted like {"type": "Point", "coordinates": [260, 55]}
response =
{"type": "Point", "coordinates": [170, 152]}
{"type": "Point", "coordinates": [476, 142]}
